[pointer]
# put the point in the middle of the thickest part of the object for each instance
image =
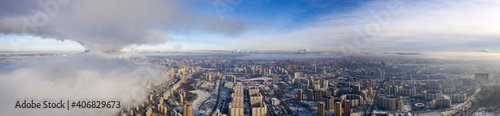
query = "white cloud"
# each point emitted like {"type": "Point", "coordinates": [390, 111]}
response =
{"type": "Point", "coordinates": [111, 25]}
{"type": "Point", "coordinates": [77, 77]}
{"type": "Point", "coordinates": [427, 25]}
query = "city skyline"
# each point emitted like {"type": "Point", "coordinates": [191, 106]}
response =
{"type": "Point", "coordinates": [250, 58]}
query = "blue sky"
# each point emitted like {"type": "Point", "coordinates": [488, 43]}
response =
{"type": "Point", "coordinates": [325, 25]}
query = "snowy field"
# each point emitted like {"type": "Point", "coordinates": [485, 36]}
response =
{"type": "Point", "coordinates": [202, 96]}
{"type": "Point", "coordinates": [484, 114]}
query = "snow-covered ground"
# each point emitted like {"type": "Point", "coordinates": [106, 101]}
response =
{"type": "Point", "coordinates": [435, 113]}
{"type": "Point", "coordinates": [260, 78]}
{"type": "Point", "coordinates": [202, 96]}
{"type": "Point", "coordinates": [356, 114]}
{"type": "Point", "coordinates": [408, 107]}
{"type": "Point", "coordinates": [448, 112]}
{"type": "Point", "coordinates": [484, 114]}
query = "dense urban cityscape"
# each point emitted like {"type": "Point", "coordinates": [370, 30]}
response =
{"type": "Point", "coordinates": [226, 84]}
{"type": "Point", "coordinates": [249, 57]}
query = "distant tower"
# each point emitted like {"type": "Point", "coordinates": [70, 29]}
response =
{"type": "Point", "coordinates": [338, 109]}
{"type": "Point", "coordinates": [382, 74]}
{"type": "Point", "coordinates": [151, 97]}
{"type": "Point", "coordinates": [347, 108]}
{"type": "Point", "coordinates": [298, 74]}
{"type": "Point", "coordinates": [325, 84]}
{"type": "Point", "coordinates": [187, 110]}
{"type": "Point", "coordinates": [209, 77]}
{"type": "Point", "coordinates": [183, 78]}
{"type": "Point", "coordinates": [317, 95]}
{"type": "Point", "coordinates": [393, 90]}
{"type": "Point", "coordinates": [369, 83]}
{"type": "Point", "coordinates": [232, 79]}
{"type": "Point", "coordinates": [356, 89]}
{"type": "Point", "coordinates": [299, 94]}
{"type": "Point", "coordinates": [321, 109]}
{"type": "Point", "coordinates": [310, 94]}
{"type": "Point", "coordinates": [330, 103]}
{"type": "Point", "coordinates": [181, 98]}
{"type": "Point", "coordinates": [149, 112]}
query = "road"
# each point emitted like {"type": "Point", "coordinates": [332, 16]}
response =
{"type": "Point", "coordinates": [374, 103]}
{"type": "Point", "coordinates": [220, 86]}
